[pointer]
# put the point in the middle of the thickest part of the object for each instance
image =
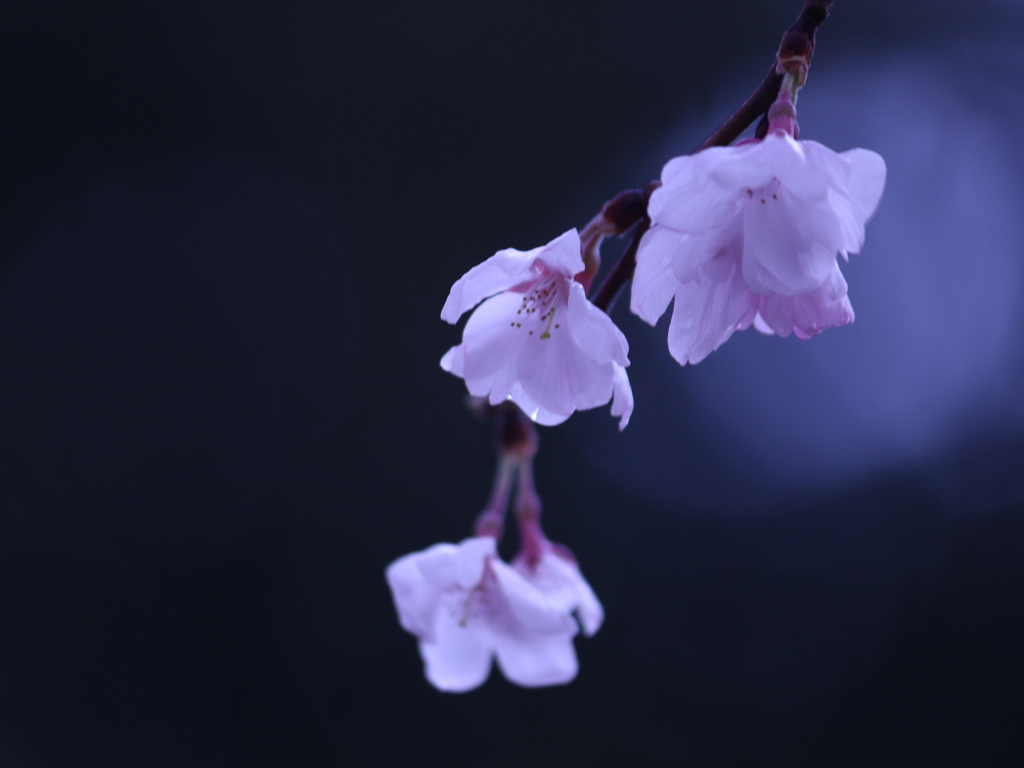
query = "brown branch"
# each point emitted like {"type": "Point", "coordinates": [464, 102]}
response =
{"type": "Point", "coordinates": [751, 109]}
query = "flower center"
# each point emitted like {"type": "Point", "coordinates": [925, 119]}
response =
{"type": "Point", "coordinates": [541, 301]}
{"type": "Point", "coordinates": [764, 195]}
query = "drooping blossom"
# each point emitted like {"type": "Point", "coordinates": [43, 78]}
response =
{"type": "Point", "coordinates": [536, 339]}
{"type": "Point", "coordinates": [468, 607]}
{"type": "Point", "coordinates": [556, 574]}
{"type": "Point", "coordinates": [749, 235]}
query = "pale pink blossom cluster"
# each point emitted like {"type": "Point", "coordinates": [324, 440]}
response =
{"type": "Point", "coordinates": [468, 607]}
{"type": "Point", "coordinates": [738, 236]}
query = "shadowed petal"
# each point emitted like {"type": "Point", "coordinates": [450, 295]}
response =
{"type": "Point", "coordinates": [593, 331]}
{"type": "Point", "coordinates": [707, 313]}
{"type": "Point", "coordinates": [557, 373]}
{"type": "Point", "coordinates": [534, 611]}
{"type": "Point", "coordinates": [491, 343]}
{"type": "Point", "coordinates": [654, 282]}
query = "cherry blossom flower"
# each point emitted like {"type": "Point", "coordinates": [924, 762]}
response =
{"type": "Point", "coordinates": [537, 340]}
{"type": "Point", "coordinates": [468, 607]}
{"type": "Point", "coordinates": [749, 235]}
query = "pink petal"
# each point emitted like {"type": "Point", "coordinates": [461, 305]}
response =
{"type": "Point", "coordinates": [454, 361]}
{"type": "Point", "coordinates": [491, 343]}
{"type": "Point", "coordinates": [557, 374]}
{"type": "Point", "coordinates": [691, 199]}
{"type": "Point", "coordinates": [739, 169]}
{"type": "Point", "coordinates": [563, 583]}
{"type": "Point", "coordinates": [654, 282]}
{"type": "Point", "coordinates": [594, 332]}
{"type": "Point", "coordinates": [707, 313]}
{"type": "Point", "coordinates": [787, 161]}
{"type": "Point", "coordinates": [502, 271]}
{"type": "Point", "coordinates": [447, 565]}
{"type": "Point", "coordinates": [700, 254]}
{"type": "Point", "coordinates": [787, 248]}
{"type": "Point", "coordinates": [810, 313]}
{"type": "Point", "coordinates": [459, 659]}
{"type": "Point", "coordinates": [855, 201]}
{"type": "Point", "coordinates": [563, 254]}
{"type": "Point", "coordinates": [536, 660]}
{"type": "Point", "coordinates": [416, 600]}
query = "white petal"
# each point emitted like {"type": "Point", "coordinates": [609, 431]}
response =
{"type": "Point", "coordinates": [707, 313]}
{"type": "Point", "coordinates": [787, 160]}
{"type": "Point", "coordinates": [704, 253]}
{"type": "Point", "coordinates": [738, 170]}
{"type": "Point", "coordinates": [416, 600]}
{"type": "Point", "coordinates": [762, 326]}
{"type": "Point", "coordinates": [446, 565]}
{"type": "Point", "coordinates": [555, 373]}
{"type": "Point", "coordinates": [654, 282]}
{"type": "Point", "coordinates": [808, 314]}
{"type": "Point", "coordinates": [533, 410]}
{"type": "Point", "coordinates": [622, 396]}
{"type": "Point", "coordinates": [562, 581]}
{"type": "Point", "coordinates": [460, 657]}
{"type": "Point", "coordinates": [855, 202]}
{"type": "Point", "coordinates": [454, 361]}
{"type": "Point", "coordinates": [789, 246]}
{"type": "Point", "coordinates": [590, 611]}
{"type": "Point", "coordinates": [563, 254]}
{"type": "Point", "coordinates": [502, 271]}
{"type": "Point", "coordinates": [866, 180]}
{"type": "Point", "coordinates": [536, 660]}
{"type": "Point", "coordinates": [595, 333]}
{"type": "Point", "coordinates": [691, 199]}
{"type": "Point", "coordinates": [490, 345]}
{"type": "Point", "coordinates": [468, 558]}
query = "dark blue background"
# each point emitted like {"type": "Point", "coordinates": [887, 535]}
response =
{"type": "Point", "coordinates": [227, 231]}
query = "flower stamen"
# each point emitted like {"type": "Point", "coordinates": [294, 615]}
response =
{"type": "Point", "coordinates": [551, 317]}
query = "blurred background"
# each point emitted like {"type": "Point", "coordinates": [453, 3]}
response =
{"type": "Point", "coordinates": [226, 233]}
